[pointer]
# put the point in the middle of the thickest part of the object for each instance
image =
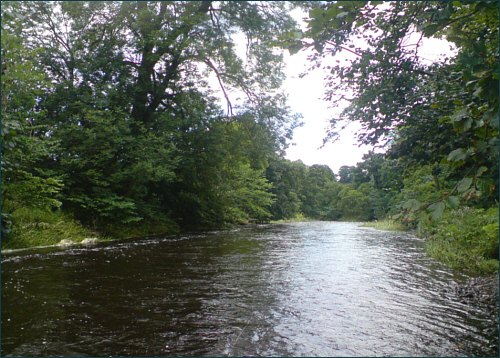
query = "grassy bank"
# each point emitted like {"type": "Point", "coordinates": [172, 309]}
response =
{"type": "Point", "coordinates": [35, 227]}
{"type": "Point", "coordinates": [387, 225]}
{"type": "Point", "coordinates": [465, 239]}
{"type": "Point", "coordinates": [32, 227]}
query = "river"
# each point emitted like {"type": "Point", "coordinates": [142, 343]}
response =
{"type": "Point", "coordinates": [298, 289]}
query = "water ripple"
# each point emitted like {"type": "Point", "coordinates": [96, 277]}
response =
{"type": "Point", "coordinates": [299, 289]}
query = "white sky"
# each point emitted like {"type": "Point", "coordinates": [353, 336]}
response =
{"type": "Point", "coordinates": [305, 97]}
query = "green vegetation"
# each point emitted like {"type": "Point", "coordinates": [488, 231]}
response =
{"type": "Point", "coordinates": [36, 227]}
{"type": "Point", "coordinates": [387, 225]}
{"type": "Point", "coordinates": [438, 122]}
{"type": "Point", "coordinates": [465, 238]}
{"type": "Point", "coordinates": [110, 126]}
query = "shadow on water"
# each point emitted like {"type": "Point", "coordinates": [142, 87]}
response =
{"type": "Point", "coordinates": [317, 289]}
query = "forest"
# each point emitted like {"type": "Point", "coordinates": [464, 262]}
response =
{"type": "Point", "coordinates": [111, 126]}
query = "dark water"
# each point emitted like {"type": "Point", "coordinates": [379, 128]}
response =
{"type": "Point", "coordinates": [302, 289]}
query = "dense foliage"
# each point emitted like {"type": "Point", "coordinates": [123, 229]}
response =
{"type": "Point", "coordinates": [109, 115]}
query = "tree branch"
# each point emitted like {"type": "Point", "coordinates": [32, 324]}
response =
{"type": "Point", "coordinates": [212, 66]}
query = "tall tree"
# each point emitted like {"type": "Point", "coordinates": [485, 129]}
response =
{"type": "Point", "coordinates": [24, 182]}
{"type": "Point", "coordinates": [131, 103]}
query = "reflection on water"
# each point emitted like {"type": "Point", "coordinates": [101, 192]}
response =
{"type": "Point", "coordinates": [314, 289]}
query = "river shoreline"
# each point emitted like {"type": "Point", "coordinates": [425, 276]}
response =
{"type": "Point", "coordinates": [478, 290]}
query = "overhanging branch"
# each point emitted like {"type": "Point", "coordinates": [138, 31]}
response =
{"type": "Point", "coordinates": [221, 84]}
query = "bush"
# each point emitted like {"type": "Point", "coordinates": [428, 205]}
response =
{"type": "Point", "coordinates": [465, 239]}
{"type": "Point", "coordinates": [39, 227]}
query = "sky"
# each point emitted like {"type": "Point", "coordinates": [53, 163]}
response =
{"type": "Point", "coordinates": [305, 97]}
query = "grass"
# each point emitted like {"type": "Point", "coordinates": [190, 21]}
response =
{"type": "Point", "coordinates": [386, 224]}
{"type": "Point", "coordinates": [465, 239]}
{"type": "Point", "coordinates": [461, 258]}
{"type": "Point", "coordinates": [297, 218]}
{"type": "Point", "coordinates": [35, 227]}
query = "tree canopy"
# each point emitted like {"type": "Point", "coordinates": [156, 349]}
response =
{"type": "Point", "coordinates": [109, 109]}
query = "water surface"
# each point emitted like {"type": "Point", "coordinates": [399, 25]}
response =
{"type": "Point", "coordinates": [299, 289]}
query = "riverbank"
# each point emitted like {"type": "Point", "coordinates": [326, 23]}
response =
{"type": "Point", "coordinates": [465, 239]}
{"type": "Point", "coordinates": [35, 228]}
{"type": "Point", "coordinates": [39, 228]}
{"type": "Point", "coordinates": [479, 290]}
{"type": "Point", "coordinates": [387, 225]}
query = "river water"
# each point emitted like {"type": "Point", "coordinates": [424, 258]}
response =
{"type": "Point", "coordinates": [299, 289]}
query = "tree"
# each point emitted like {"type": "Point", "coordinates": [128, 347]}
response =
{"type": "Point", "coordinates": [24, 183]}
{"type": "Point", "coordinates": [220, 174]}
{"type": "Point", "coordinates": [288, 179]}
{"type": "Point", "coordinates": [424, 113]}
{"type": "Point", "coordinates": [139, 135]}
{"type": "Point", "coordinates": [314, 202]}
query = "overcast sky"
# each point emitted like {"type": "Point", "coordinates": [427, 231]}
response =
{"type": "Point", "coordinates": [305, 97]}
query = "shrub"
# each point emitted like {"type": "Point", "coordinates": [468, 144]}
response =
{"type": "Point", "coordinates": [465, 239]}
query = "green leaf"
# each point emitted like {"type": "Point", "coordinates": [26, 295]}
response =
{"type": "Point", "coordinates": [480, 171]}
{"type": "Point", "coordinates": [457, 155]}
{"type": "Point", "coordinates": [430, 30]}
{"type": "Point", "coordinates": [412, 205]}
{"type": "Point", "coordinates": [467, 124]}
{"type": "Point", "coordinates": [294, 48]}
{"type": "Point", "coordinates": [453, 201]}
{"type": "Point", "coordinates": [436, 210]}
{"type": "Point", "coordinates": [464, 184]}
{"type": "Point", "coordinates": [459, 115]}
{"type": "Point", "coordinates": [316, 13]}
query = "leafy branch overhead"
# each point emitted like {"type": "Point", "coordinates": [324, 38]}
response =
{"type": "Point", "coordinates": [443, 111]}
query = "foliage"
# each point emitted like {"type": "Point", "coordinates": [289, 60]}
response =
{"type": "Point", "coordinates": [354, 204]}
{"type": "Point", "coordinates": [387, 225]}
{"type": "Point", "coordinates": [465, 239]}
{"type": "Point", "coordinates": [423, 113]}
{"type": "Point", "coordinates": [315, 200]}
{"type": "Point", "coordinates": [110, 118]}
{"type": "Point", "coordinates": [109, 114]}
{"type": "Point", "coordinates": [38, 227]}
{"type": "Point", "coordinates": [247, 195]}
{"type": "Point", "coordinates": [437, 121]}
{"type": "Point", "coordinates": [24, 183]}
{"type": "Point", "coordinates": [288, 179]}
